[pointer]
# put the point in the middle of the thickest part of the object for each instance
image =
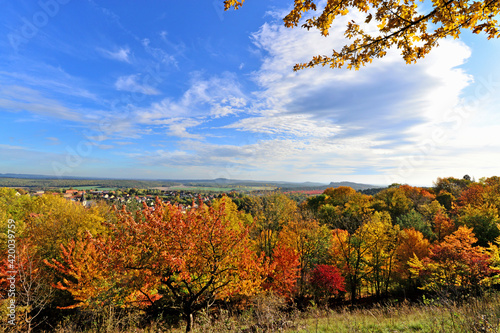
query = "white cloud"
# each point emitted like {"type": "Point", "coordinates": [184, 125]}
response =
{"type": "Point", "coordinates": [268, 158]}
{"type": "Point", "coordinates": [54, 141]}
{"type": "Point", "coordinates": [97, 138]}
{"type": "Point", "coordinates": [106, 147]}
{"type": "Point", "coordinates": [124, 143]}
{"type": "Point", "coordinates": [16, 99]}
{"type": "Point", "coordinates": [300, 125]}
{"type": "Point", "coordinates": [319, 123]}
{"type": "Point", "coordinates": [179, 129]}
{"type": "Point", "coordinates": [51, 79]}
{"type": "Point", "coordinates": [215, 97]}
{"type": "Point", "coordinates": [166, 56]}
{"type": "Point", "coordinates": [130, 83]}
{"type": "Point", "coordinates": [4, 146]}
{"type": "Point", "coordinates": [380, 112]}
{"type": "Point", "coordinates": [121, 54]}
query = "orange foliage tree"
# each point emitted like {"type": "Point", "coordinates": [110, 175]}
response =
{"type": "Point", "coordinates": [442, 225]}
{"type": "Point", "coordinates": [473, 195]}
{"type": "Point", "coordinates": [85, 273]}
{"type": "Point", "coordinates": [454, 264]}
{"type": "Point", "coordinates": [24, 281]}
{"type": "Point", "coordinates": [412, 243]}
{"type": "Point", "coordinates": [419, 196]}
{"type": "Point", "coordinates": [185, 258]}
{"type": "Point", "coordinates": [282, 272]}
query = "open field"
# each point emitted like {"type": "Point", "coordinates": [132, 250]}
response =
{"type": "Point", "coordinates": [44, 184]}
{"type": "Point", "coordinates": [218, 186]}
{"type": "Point", "coordinates": [306, 192]}
{"type": "Point", "coordinates": [219, 189]}
{"type": "Point", "coordinates": [97, 188]}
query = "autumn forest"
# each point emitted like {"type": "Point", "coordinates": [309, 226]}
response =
{"type": "Point", "coordinates": [171, 264]}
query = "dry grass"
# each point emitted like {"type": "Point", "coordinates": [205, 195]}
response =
{"type": "Point", "coordinates": [270, 314]}
{"type": "Point", "coordinates": [476, 315]}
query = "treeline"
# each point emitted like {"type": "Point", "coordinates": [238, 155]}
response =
{"type": "Point", "coordinates": [45, 184]}
{"type": "Point", "coordinates": [169, 262]}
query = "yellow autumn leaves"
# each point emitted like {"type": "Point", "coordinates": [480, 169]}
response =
{"type": "Point", "coordinates": [413, 28]}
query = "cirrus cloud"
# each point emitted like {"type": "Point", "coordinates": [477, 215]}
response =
{"type": "Point", "coordinates": [131, 83]}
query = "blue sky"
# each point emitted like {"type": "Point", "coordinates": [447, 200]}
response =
{"type": "Point", "coordinates": [163, 89]}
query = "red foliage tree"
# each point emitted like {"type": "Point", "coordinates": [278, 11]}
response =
{"type": "Point", "coordinates": [327, 281]}
{"type": "Point", "coordinates": [418, 195]}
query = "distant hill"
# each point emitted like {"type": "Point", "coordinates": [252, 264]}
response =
{"type": "Point", "coordinates": [28, 176]}
{"type": "Point", "coordinates": [279, 184]}
{"type": "Point", "coordinates": [356, 186]}
{"type": "Point", "coordinates": [239, 182]}
{"type": "Point", "coordinates": [45, 182]}
{"type": "Point", "coordinates": [315, 186]}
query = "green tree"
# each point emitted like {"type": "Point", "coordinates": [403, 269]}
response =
{"type": "Point", "coordinates": [15, 207]}
{"type": "Point", "coordinates": [484, 221]}
{"type": "Point", "coordinates": [344, 208]}
{"type": "Point", "coordinates": [271, 213]}
{"type": "Point", "coordinates": [393, 200]}
{"type": "Point", "coordinates": [13, 203]}
{"type": "Point", "coordinates": [446, 199]}
{"type": "Point", "coordinates": [415, 220]}
{"type": "Point", "coordinates": [451, 185]}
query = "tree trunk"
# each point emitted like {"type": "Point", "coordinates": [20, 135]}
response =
{"type": "Point", "coordinates": [189, 321]}
{"type": "Point", "coordinates": [354, 287]}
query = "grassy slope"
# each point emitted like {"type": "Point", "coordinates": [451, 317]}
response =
{"type": "Point", "coordinates": [478, 315]}
{"type": "Point", "coordinates": [475, 315]}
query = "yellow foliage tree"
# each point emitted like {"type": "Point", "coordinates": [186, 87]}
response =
{"type": "Point", "coordinates": [414, 28]}
{"type": "Point", "coordinates": [412, 243]}
{"type": "Point", "coordinates": [454, 264]}
{"type": "Point", "coordinates": [310, 241]}
{"type": "Point", "coordinates": [270, 214]}
{"type": "Point", "coordinates": [381, 240]}
{"type": "Point", "coordinates": [53, 221]}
